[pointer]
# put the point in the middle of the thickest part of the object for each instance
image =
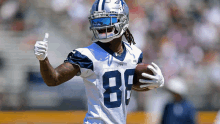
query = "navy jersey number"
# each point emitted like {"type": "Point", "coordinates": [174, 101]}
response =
{"type": "Point", "coordinates": [128, 72]}
{"type": "Point", "coordinates": [116, 89]}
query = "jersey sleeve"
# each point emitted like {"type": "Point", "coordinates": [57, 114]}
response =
{"type": "Point", "coordinates": [85, 64]}
{"type": "Point", "coordinates": [137, 53]}
{"type": "Point", "coordinates": [140, 59]}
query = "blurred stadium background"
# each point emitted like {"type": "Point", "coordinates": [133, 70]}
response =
{"type": "Point", "coordinates": [182, 36]}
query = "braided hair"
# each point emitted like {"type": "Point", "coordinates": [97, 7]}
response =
{"type": "Point", "coordinates": [129, 37]}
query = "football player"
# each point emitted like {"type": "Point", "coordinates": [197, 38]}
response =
{"type": "Point", "coordinates": [107, 66]}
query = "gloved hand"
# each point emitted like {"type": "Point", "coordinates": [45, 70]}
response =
{"type": "Point", "coordinates": [157, 80]}
{"type": "Point", "coordinates": [41, 47]}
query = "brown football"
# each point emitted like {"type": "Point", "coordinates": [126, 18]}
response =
{"type": "Point", "coordinates": [140, 68]}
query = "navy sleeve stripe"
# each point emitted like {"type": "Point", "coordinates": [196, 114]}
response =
{"type": "Point", "coordinates": [75, 57]}
{"type": "Point", "coordinates": [140, 58]}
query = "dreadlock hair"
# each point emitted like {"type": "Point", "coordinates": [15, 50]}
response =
{"type": "Point", "coordinates": [129, 37]}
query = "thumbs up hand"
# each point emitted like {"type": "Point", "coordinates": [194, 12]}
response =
{"type": "Point", "coordinates": [41, 48]}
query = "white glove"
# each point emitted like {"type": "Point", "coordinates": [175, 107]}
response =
{"type": "Point", "coordinates": [41, 47]}
{"type": "Point", "coordinates": [157, 80]}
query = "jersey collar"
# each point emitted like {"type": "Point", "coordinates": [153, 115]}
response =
{"type": "Point", "coordinates": [107, 49]}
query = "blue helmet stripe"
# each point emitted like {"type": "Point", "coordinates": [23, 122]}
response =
{"type": "Point", "coordinates": [97, 7]}
{"type": "Point", "coordinates": [122, 3]}
{"type": "Point", "coordinates": [103, 4]}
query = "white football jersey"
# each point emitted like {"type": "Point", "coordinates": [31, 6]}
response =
{"type": "Point", "coordinates": [108, 80]}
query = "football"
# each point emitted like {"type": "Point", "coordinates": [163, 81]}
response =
{"type": "Point", "coordinates": [140, 68]}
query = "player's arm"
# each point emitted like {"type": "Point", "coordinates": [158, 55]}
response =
{"type": "Point", "coordinates": [59, 75]}
{"type": "Point", "coordinates": [51, 76]}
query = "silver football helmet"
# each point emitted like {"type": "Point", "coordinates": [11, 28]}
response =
{"type": "Point", "coordinates": [108, 19]}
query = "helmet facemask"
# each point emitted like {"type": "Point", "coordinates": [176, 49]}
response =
{"type": "Point", "coordinates": [107, 26]}
{"type": "Point", "coordinates": [105, 33]}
